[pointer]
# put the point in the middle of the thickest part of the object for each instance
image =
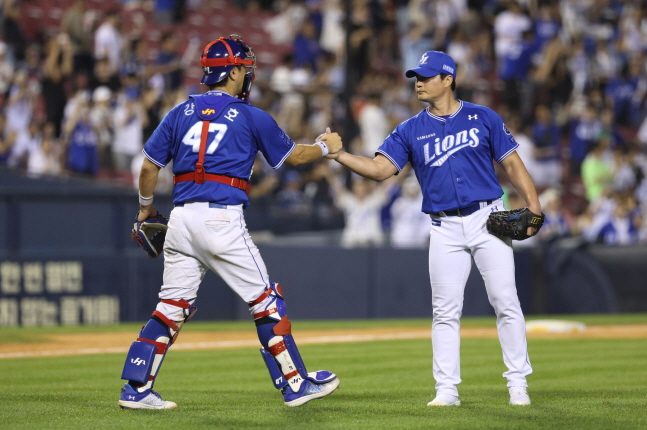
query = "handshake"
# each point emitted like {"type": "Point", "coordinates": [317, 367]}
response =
{"type": "Point", "coordinates": [333, 142]}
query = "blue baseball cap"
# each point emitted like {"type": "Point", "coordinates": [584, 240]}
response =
{"type": "Point", "coordinates": [433, 63]}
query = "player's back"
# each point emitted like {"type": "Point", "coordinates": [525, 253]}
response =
{"type": "Point", "coordinates": [236, 132]}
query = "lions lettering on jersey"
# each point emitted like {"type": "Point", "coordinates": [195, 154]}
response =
{"type": "Point", "coordinates": [452, 155]}
{"type": "Point", "coordinates": [457, 142]}
{"type": "Point", "coordinates": [237, 131]}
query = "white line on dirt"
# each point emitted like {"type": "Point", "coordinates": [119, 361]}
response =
{"type": "Point", "coordinates": [226, 344]}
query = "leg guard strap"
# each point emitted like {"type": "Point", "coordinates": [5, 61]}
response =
{"type": "Point", "coordinates": [274, 331]}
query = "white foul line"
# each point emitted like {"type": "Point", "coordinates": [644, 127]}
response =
{"type": "Point", "coordinates": [225, 344]}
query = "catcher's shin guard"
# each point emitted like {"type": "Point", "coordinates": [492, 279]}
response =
{"type": "Point", "coordinates": [147, 353]}
{"type": "Point", "coordinates": [279, 350]}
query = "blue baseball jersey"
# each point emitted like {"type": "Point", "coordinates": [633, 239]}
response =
{"type": "Point", "coordinates": [237, 131]}
{"type": "Point", "coordinates": [452, 155]}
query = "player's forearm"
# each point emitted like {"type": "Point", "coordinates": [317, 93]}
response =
{"type": "Point", "coordinates": [363, 166]}
{"type": "Point", "coordinates": [148, 178]}
{"type": "Point", "coordinates": [523, 183]}
{"type": "Point", "coordinates": [303, 154]}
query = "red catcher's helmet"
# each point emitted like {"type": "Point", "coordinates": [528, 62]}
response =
{"type": "Point", "coordinates": [221, 55]}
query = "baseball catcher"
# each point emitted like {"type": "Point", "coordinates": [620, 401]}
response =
{"type": "Point", "coordinates": [150, 234]}
{"type": "Point", "coordinates": [514, 223]}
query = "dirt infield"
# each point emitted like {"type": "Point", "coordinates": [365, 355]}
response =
{"type": "Point", "coordinates": [101, 343]}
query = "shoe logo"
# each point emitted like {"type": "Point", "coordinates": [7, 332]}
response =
{"type": "Point", "coordinates": [131, 397]}
{"type": "Point", "coordinates": [138, 361]}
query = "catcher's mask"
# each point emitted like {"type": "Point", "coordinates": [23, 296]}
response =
{"type": "Point", "coordinates": [222, 55]}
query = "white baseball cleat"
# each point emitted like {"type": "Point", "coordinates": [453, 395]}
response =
{"type": "Point", "coordinates": [445, 400]}
{"type": "Point", "coordinates": [519, 396]}
{"type": "Point", "coordinates": [149, 399]}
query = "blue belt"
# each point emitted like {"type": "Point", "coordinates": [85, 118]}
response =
{"type": "Point", "coordinates": [463, 211]}
{"type": "Point", "coordinates": [211, 205]}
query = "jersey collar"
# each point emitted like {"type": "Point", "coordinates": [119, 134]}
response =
{"type": "Point", "coordinates": [440, 118]}
{"type": "Point", "coordinates": [217, 93]}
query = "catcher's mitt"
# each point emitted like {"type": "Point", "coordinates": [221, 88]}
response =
{"type": "Point", "coordinates": [514, 223]}
{"type": "Point", "coordinates": [150, 234]}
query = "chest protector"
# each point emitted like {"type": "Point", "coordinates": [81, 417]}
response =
{"type": "Point", "coordinates": [208, 108]}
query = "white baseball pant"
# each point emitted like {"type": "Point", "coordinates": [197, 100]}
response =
{"type": "Point", "coordinates": [452, 244]}
{"type": "Point", "coordinates": [200, 238]}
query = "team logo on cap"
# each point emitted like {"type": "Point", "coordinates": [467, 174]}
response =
{"type": "Point", "coordinates": [448, 69]}
{"type": "Point", "coordinates": [424, 58]}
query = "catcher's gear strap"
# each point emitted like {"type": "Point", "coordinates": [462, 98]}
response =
{"type": "Point", "coordinates": [139, 361]}
{"type": "Point", "coordinates": [199, 175]}
{"type": "Point", "coordinates": [231, 60]}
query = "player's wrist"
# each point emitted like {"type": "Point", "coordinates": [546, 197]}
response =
{"type": "Point", "coordinates": [324, 148]}
{"type": "Point", "coordinates": [145, 202]}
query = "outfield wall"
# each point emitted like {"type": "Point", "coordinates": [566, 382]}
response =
{"type": "Point", "coordinates": [66, 258]}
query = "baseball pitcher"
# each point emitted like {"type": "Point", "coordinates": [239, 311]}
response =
{"type": "Point", "coordinates": [451, 145]}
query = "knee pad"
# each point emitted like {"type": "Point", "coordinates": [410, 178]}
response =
{"type": "Point", "coordinates": [147, 353]}
{"type": "Point", "coordinates": [274, 329]}
{"type": "Point", "coordinates": [173, 314]}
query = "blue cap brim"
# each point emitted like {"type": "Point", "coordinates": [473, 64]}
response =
{"type": "Point", "coordinates": [422, 71]}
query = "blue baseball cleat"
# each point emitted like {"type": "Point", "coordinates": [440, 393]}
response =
{"type": "Point", "coordinates": [310, 390]}
{"type": "Point", "coordinates": [149, 399]}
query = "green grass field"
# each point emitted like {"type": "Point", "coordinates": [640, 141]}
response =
{"type": "Point", "coordinates": [577, 384]}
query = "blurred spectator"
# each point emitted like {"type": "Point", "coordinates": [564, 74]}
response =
{"type": "Point", "coordinates": [410, 226]}
{"type": "Point", "coordinates": [291, 199]}
{"type": "Point", "coordinates": [20, 103]}
{"type": "Point", "coordinates": [168, 63]}
{"type": "Point", "coordinates": [57, 68]}
{"type": "Point", "coordinates": [597, 174]}
{"type": "Point", "coordinates": [516, 62]}
{"type": "Point", "coordinates": [585, 128]}
{"type": "Point", "coordinates": [509, 26]}
{"type": "Point", "coordinates": [44, 155]}
{"type": "Point", "coordinates": [626, 94]}
{"type": "Point", "coordinates": [82, 151]}
{"type": "Point", "coordinates": [129, 122]}
{"type": "Point", "coordinates": [555, 223]}
{"type": "Point", "coordinates": [7, 140]}
{"type": "Point", "coordinates": [104, 77]}
{"type": "Point", "coordinates": [359, 55]}
{"type": "Point", "coordinates": [305, 48]}
{"type": "Point", "coordinates": [27, 141]}
{"type": "Point", "coordinates": [413, 42]}
{"type": "Point", "coordinates": [361, 207]}
{"type": "Point", "coordinates": [546, 138]}
{"type": "Point", "coordinates": [283, 26]}
{"type": "Point", "coordinates": [374, 125]}
{"type": "Point", "coordinates": [621, 228]}
{"type": "Point", "coordinates": [546, 22]}
{"type": "Point", "coordinates": [77, 24]}
{"type": "Point", "coordinates": [134, 62]}
{"type": "Point", "coordinates": [101, 118]}
{"type": "Point", "coordinates": [333, 33]}
{"type": "Point", "coordinates": [108, 41]}
{"type": "Point", "coordinates": [12, 31]}
{"type": "Point", "coordinates": [6, 71]}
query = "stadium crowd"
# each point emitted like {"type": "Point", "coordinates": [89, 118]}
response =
{"type": "Point", "coordinates": [569, 77]}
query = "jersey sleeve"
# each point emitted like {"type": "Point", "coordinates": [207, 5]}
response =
{"type": "Point", "coordinates": [159, 148]}
{"type": "Point", "coordinates": [503, 143]}
{"type": "Point", "coordinates": [273, 143]}
{"type": "Point", "coordinates": [395, 148]}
